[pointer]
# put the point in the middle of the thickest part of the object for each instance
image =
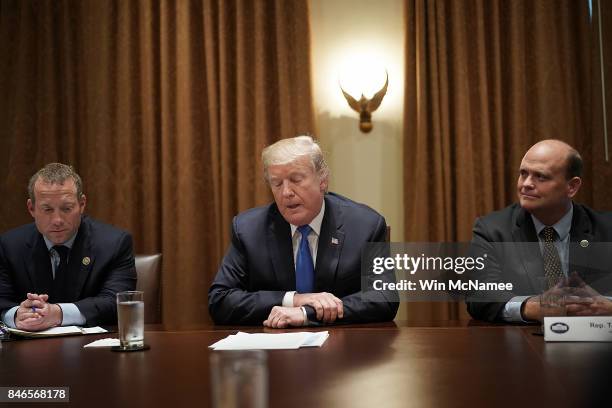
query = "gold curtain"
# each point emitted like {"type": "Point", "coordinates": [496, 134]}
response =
{"type": "Point", "coordinates": [485, 79]}
{"type": "Point", "coordinates": [600, 169]}
{"type": "Point", "coordinates": [163, 107]}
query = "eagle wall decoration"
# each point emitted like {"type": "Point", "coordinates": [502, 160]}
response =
{"type": "Point", "coordinates": [365, 107]}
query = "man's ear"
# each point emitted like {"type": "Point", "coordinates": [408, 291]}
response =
{"type": "Point", "coordinates": [30, 206]}
{"type": "Point", "coordinates": [323, 184]}
{"type": "Point", "coordinates": [82, 203]}
{"type": "Point", "coordinates": [573, 186]}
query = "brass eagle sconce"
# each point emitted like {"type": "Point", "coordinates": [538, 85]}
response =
{"type": "Point", "coordinates": [365, 107]}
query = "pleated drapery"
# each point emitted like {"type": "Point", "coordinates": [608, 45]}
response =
{"type": "Point", "coordinates": [163, 107]}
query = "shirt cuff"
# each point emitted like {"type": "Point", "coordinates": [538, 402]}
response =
{"type": "Point", "coordinates": [8, 317]}
{"type": "Point", "coordinates": [71, 315]}
{"type": "Point", "coordinates": [512, 310]}
{"type": "Point", "coordinates": [288, 299]}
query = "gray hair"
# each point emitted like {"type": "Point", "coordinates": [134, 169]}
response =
{"type": "Point", "coordinates": [288, 150]}
{"type": "Point", "coordinates": [55, 173]}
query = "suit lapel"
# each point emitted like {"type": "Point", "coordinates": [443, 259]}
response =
{"type": "Point", "coordinates": [331, 241]}
{"type": "Point", "coordinates": [525, 238]}
{"type": "Point", "coordinates": [38, 265]}
{"type": "Point", "coordinates": [580, 257]}
{"type": "Point", "coordinates": [81, 261]}
{"type": "Point", "coordinates": [278, 239]}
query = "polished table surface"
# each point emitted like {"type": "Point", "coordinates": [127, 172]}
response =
{"type": "Point", "coordinates": [450, 364]}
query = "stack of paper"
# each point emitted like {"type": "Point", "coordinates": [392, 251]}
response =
{"type": "Point", "coordinates": [266, 341]}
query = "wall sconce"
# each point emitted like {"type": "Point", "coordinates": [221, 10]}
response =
{"type": "Point", "coordinates": [365, 106]}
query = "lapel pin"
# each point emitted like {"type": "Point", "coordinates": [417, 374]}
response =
{"type": "Point", "coordinates": [584, 243]}
{"type": "Point", "coordinates": [86, 261]}
{"type": "Point", "coordinates": [334, 241]}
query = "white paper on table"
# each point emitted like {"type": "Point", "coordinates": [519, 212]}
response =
{"type": "Point", "coordinates": [93, 330]}
{"type": "Point", "coordinates": [269, 341]}
{"type": "Point", "coordinates": [58, 331]}
{"type": "Point", "coordinates": [109, 342]}
{"type": "Point", "coordinates": [316, 339]}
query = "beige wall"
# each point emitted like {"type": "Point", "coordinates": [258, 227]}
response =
{"type": "Point", "coordinates": [366, 167]}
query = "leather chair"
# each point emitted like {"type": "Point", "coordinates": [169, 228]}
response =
{"type": "Point", "coordinates": [148, 270]}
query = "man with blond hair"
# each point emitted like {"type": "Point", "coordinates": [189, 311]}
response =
{"type": "Point", "coordinates": [65, 268]}
{"type": "Point", "coordinates": [297, 261]}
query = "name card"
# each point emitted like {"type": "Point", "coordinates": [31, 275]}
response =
{"type": "Point", "coordinates": [578, 328]}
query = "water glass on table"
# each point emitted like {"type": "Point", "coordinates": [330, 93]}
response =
{"type": "Point", "coordinates": [130, 317]}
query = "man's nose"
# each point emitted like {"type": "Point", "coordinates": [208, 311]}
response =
{"type": "Point", "coordinates": [57, 218]}
{"type": "Point", "coordinates": [287, 190]}
{"type": "Point", "coordinates": [528, 182]}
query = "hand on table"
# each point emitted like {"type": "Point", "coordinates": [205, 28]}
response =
{"type": "Point", "coordinates": [281, 317]}
{"type": "Point", "coordinates": [35, 313]}
{"type": "Point", "coordinates": [583, 300]}
{"type": "Point", "coordinates": [532, 309]}
{"type": "Point", "coordinates": [328, 307]}
{"type": "Point", "coordinates": [578, 299]}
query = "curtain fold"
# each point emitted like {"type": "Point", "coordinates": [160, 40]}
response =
{"type": "Point", "coordinates": [485, 79]}
{"type": "Point", "coordinates": [600, 171]}
{"type": "Point", "coordinates": [163, 107]}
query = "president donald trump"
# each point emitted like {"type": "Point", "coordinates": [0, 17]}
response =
{"type": "Point", "coordinates": [297, 261]}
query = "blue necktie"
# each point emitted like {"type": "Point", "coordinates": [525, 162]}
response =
{"type": "Point", "coordinates": [304, 269]}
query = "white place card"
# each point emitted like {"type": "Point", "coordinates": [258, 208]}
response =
{"type": "Point", "coordinates": [578, 328]}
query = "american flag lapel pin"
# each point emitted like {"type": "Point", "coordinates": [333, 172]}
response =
{"type": "Point", "coordinates": [334, 241]}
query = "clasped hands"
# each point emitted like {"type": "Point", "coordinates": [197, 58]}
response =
{"type": "Point", "coordinates": [35, 313]}
{"type": "Point", "coordinates": [327, 306]}
{"type": "Point", "coordinates": [572, 294]}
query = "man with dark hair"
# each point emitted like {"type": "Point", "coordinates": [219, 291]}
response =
{"type": "Point", "coordinates": [65, 268]}
{"type": "Point", "coordinates": [549, 178]}
{"type": "Point", "coordinates": [298, 260]}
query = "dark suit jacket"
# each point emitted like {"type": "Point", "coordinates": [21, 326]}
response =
{"type": "Point", "coordinates": [522, 264]}
{"type": "Point", "coordinates": [258, 268]}
{"type": "Point", "coordinates": [25, 266]}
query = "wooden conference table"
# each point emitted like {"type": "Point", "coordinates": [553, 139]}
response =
{"type": "Point", "coordinates": [452, 364]}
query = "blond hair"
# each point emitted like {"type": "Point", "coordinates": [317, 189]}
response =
{"type": "Point", "coordinates": [55, 173]}
{"type": "Point", "coordinates": [288, 150]}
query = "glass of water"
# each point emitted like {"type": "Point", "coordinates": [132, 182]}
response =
{"type": "Point", "coordinates": [239, 379]}
{"type": "Point", "coordinates": [130, 311]}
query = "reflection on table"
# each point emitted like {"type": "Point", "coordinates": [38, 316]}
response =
{"type": "Point", "coordinates": [422, 365]}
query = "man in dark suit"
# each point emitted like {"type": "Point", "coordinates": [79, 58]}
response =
{"type": "Point", "coordinates": [543, 242]}
{"type": "Point", "coordinates": [65, 268]}
{"type": "Point", "coordinates": [271, 275]}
